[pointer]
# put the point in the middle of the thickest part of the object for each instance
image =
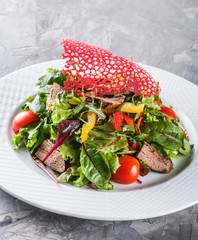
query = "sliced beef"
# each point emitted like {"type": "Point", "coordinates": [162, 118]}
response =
{"type": "Point", "coordinates": [154, 160]}
{"type": "Point", "coordinates": [54, 161]}
{"type": "Point", "coordinates": [109, 102]}
{"type": "Point", "coordinates": [55, 89]}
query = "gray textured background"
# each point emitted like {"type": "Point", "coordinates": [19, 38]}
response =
{"type": "Point", "coordinates": [158, 33]}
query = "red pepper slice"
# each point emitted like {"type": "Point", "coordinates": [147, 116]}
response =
{"type": "Point", "coordinates": [120, 118]}
{"type": "Point", "coordinates": [139, 122]}
{"type": "Point", "coordinates": [158, 102]}
{"type": "Point", "coordinates": [169, 112]}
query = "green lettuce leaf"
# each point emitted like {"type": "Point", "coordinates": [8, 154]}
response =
{"type": "Point", "coordinates": [34, 134]}
{"type": "Point", "coordinates": [17, 140]}
{"type": "Point", "coordinates": [71, 151]}
{"type": "Point", "coordinates": [172, 154]}
{"type": "Point", "coordinates": [61, 111]}
{"type": "Point", "coordinates": [104, 134]}
{"type": "Point", "coordinates": [30, 134]}
{"type": "Point", "coordinates": [94, 164]}
{"type": "Point", "coordinates": [54, 75]}
{"type": "Point", "coordinates": [106, 186]}
{"type": "Point", "coordinates": [36, 105]}
{"type": "Point", "coordinates": [148, 101]}
{"type": "Point", "coordinates": [113, 161]}
{"type": "Point", "coordinates": [69, 175]}
{"type": "Point", "coordinates": [82, 180]}
{"type": "Point", "coordinates": [165, 133]}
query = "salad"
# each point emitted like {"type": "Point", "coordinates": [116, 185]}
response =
{"type": "Point", "coordinates": [99, 120]}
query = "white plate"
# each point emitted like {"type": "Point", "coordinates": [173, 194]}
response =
{"type": "Point", "coordinates": [159, 194]}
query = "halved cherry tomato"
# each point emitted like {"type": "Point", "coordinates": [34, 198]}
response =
{"type": "Point", "coordinates": [22, 119]}
{"type": "Point", "coordinates": [128, 172]}
{"type": "Point", "coordinates": [169, 112]}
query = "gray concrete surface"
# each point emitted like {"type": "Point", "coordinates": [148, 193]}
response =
{"type": "Point", "coordinates": [158, 33]}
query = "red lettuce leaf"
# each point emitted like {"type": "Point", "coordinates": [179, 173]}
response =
{"type": "Point", "coordinates": [65, 129]}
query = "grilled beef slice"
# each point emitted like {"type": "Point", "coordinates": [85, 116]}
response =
{"type": "Point", "coordinates": [55, 89]}
{"type": "Point", "coordinates": [154, 160]}
{"type": "Point", "coordinates": [54, 161]}
{"type": "Point", "coordinates": [109, 102]}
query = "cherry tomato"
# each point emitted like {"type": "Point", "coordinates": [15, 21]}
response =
{"type": "Point", "coordinates": [128, 172]}
{"type": "Point", "coordinates": [22, 119]}
{"type": "Point", "coordinates": [168, 111]}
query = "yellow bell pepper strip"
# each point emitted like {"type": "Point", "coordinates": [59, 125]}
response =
{"type": "Point", "coordinates": [86, 128]}
{"type": "Point", "coordinates": [130, 108]}
{"type": "Point", "coordinates": [125, 107]}
{"type": "Point", "coordinates": [74, 102]}
{"type": "Point", "coordinates": [108, 112]}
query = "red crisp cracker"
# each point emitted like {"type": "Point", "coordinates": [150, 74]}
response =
{"type": "Point", "coordinates": [97, 70]}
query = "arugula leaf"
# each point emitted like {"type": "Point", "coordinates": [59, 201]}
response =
{"type": "Point", "coordinates": [82, 104]}
{"type": "Point", "coordinates": [94, 164]}
{"type": "Point", "coordinates": [127, 128]}
{"type": "Point", "coordinates": [54, 75]}
{"type": "Point", "coordinates": [137, 115]}
{"type": "Point", "coordinates": [165, 133]}
{"type": "Point", "coordinates": [96, 110]}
